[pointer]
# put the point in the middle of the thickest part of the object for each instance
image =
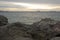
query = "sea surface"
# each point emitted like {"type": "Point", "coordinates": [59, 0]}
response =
{"type": "Point", "coordinates": [29, 17]}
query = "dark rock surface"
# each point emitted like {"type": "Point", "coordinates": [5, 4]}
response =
{"type": "Point", "coordinates": [16, 31]}
{"type": "Point", "coordinates": [46, 29]}
{"type": "Point", "coordinates": [3, 23]}
{"type": "Point", "coordinates": [56, 38]}
{"type": "Point", "coordinates": [3, 20]}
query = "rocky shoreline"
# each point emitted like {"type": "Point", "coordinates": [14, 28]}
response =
{"type": "Point", "coordinates": [45, 29]}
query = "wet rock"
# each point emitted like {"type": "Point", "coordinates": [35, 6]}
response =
{"type": "Point", "coordinates": [3, 20]}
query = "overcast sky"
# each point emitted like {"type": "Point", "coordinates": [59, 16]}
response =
{"type": "Point", "coordinates": [36, 1]}
{"type": "Point", "coordinates": [31, 4]}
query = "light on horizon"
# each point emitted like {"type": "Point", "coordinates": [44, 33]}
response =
{"type": "Point", "coordinates": [28, 6]}
{"type": "Point", "coordinates": [34, 6]}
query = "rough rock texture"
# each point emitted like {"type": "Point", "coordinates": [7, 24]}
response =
{"type": "Point", "coordinates": [56, 38]}
{"type": "Point", "coordinates": [46, 29]}
{"type": "Point", "coordinates": [42, 30]}
{"type": "Point", "coordinates": [3, 23]}
{"type": "Point", "coordinates": [3, 20]}
{"type": "Point", "coordinates": [16, 31]}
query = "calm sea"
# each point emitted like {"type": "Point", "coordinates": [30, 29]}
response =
{"type": "Point", "coordinates": [29, 17]}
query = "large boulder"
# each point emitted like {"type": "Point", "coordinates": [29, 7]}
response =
{"type": "Point", "coordinates": [45, 29]}
{"type": "Point", "coordinates": [3, 20]}
{"type": "Point", "coordinates": [3, 23]}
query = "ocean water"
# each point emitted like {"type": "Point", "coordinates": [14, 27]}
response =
{"type": "Point", "coordinates": [29, 17]}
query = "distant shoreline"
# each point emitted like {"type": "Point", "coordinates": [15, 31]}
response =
{"type": "Point", "coordinates": [34, 11]}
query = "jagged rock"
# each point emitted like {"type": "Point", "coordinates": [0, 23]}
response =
{"type": "Point", "coordinates": [3, 20]}
{"type": "Point", "coordinates": [16, 31]}
{"type": "Point", "coordinates": [42, 30]}
{"type": "Point", "coordinates": [45, 29]}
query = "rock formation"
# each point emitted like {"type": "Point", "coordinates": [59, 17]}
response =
{"type": "Point", "coordinates": [42, 30]}
{"type": "Point", "coordinates": [3, 20]}
{"type": "Point", "coordinates": [16, 31]}
{"type": "Point", "coordinates": [46, 29]}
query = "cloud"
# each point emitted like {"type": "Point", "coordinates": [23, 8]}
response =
{"type": "Point", "coordinates": [8, 4]}
{"type": "Point", "coordinates": [36, 1]}
{"type": "Point", "coordinates": [4, 5]}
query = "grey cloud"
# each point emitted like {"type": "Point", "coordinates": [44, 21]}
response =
{"type": "Point", "coordinates": [37, 1]}
{"type": "Point", "coordinates": [9, 5]}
